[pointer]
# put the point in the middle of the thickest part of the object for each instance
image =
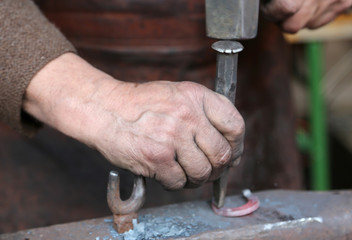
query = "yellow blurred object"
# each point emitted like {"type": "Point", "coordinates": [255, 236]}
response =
{"type": "Point", "coordinates": [339, 29]}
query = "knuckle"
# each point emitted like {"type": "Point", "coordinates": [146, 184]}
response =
{"type": "Point", "coordinates": [223, 157]}
{"type": "Point", "coordinates": [168, 130]}
{"type": "Point", "coordinates": [175, 184]}
{"type": "Point", "coordinates": [289, 7]}
{"type": "Point", "coordinates": [158, 153]}
{"type": "Point", "coordinates": [170, 176]}
{"type": "Point", "coordinates": [202, 175]}
{"type": "Point", "coordinates": [193, 91]}
{"type": "Point", "coordinates": [240, 126]}
{"type": "Point", "coordinates": [184, 112]}
{"type": "Point", "coordinates": [237, 129]}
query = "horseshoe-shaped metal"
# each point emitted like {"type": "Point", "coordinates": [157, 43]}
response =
{"type": "Point", "coordinates": [135, 201]}
{"type": "Point", "coordinates": [252, 205]}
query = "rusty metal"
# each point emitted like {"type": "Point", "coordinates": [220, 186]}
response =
{"type": "Point", "coordinates": [135, 201]}
{"type": "Point", "coordinates": [232, 19]}
{"type": "Point", "coordinates": [124, 222]}
{"type": "Point", "coordinates": [124, 211]}
{"type": "Point", "coordinates": [283, 215]}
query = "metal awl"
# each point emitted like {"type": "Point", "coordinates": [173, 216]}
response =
{"type": "Point", "coordinates": [225, 84]}
{"type": "Point", "coordinates": [229, 20]}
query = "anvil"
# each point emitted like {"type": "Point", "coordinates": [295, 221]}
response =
{"type": "Point", "coordinates": [282, 215]}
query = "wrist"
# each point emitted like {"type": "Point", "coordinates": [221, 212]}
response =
{"type": "Point", "coordinates": [67, 94]}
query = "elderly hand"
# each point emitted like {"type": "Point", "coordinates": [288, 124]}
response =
{"type": "Point", "coordinates": [173, 132]}
{"type": "Point", "coordinates": [293, 15]}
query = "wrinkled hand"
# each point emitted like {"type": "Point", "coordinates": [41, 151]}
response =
{"type": "Point", "coordinates": [173, 132]}
{"type": "Point", "coordinates": [293, 15]}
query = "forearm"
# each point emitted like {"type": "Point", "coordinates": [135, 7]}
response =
{"type": "Point", "coordinates": [27, 43]}
{"type": "Point", "coordinates": [65, 94]}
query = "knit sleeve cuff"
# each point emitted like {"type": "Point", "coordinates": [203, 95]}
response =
{"type": "Point", "coordinates": [28, 41]}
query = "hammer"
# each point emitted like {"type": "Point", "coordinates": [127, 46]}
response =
{"type": "Point", "coordinates": [229, 20]}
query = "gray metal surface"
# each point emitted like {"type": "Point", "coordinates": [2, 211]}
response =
{"type": "Point", "coordinates": [232, 19]}
{"type": "Point", "coordinates": [282, 215]}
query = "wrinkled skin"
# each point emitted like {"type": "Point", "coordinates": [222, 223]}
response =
{"type": "Point", "coordinates": [172, 132]}
{"type": "Point", "coordinates": [177, 133]}
{"type": "Point", "coordinates": [293, 15]}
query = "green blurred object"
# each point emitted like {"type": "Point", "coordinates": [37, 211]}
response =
{"type": "Point", "coordinates": [303, 141]}
{"type": "Point", "coordinates": [320, 175]}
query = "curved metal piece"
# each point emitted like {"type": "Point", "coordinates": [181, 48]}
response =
{"type": "Point", "coordinates": [251, 205]}
{"type": "Point", "coordinates": [135, 201]}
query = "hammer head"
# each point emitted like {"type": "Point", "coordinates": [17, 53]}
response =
{"type": "Point", "coordinates": [232, 19]}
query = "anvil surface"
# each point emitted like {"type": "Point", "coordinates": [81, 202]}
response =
{"type": "Point", "coordinates": [282, 215]}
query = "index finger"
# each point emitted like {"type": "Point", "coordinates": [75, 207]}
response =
{"type": "Point", "coordinates": [223, 115]}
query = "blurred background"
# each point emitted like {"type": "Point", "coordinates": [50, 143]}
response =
{"type": "Point", "coordinates": [294, 92]}
{"type": "Point", "coordinates": [322, 94]}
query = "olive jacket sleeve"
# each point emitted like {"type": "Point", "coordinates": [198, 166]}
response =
{"type": "Point", "coordinates": [28, 41]}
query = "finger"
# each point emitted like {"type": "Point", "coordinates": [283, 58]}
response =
{"type": "Point", "coordinates": [215, 146]}
{"type": "Point", "coordinates": [321, 20]}
{"type": "Point", "coordinates": [226, 119]}
{"type": "Point", "coordinates": [329, 13]}
{"type": "Point", "coordinates": [299, 20]}
{"type": "Point", "coordinates": [161, 161]}
{"type": "Point", "coordinates": [216, 175]}
{"type": "Point", "coordinates": [194, 163]}
{"type": "Point", "coordinates": [234, 163]}
{"type": "Point", "coordinates": [278, 10]}
{"type": "Point", "coordinates": [171, 176]}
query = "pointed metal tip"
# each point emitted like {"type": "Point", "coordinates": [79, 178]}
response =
{"type": "Point", "coordinates": [217, 204]}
